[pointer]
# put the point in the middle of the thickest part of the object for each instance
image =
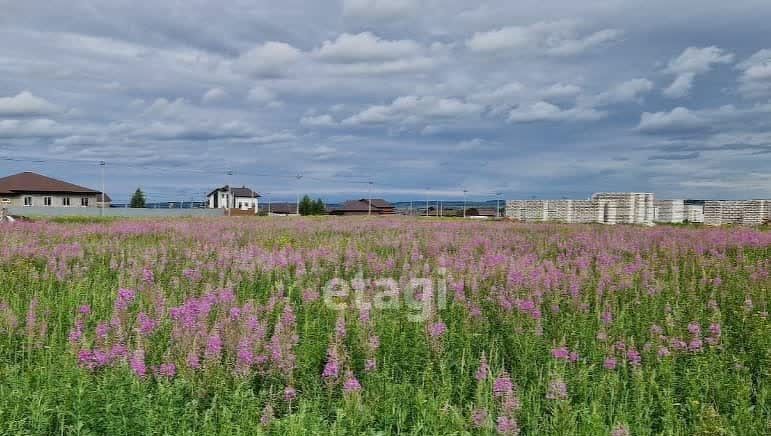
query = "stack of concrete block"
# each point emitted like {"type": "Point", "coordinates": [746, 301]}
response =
{"type": "Point", "coordinates": [583, 211]}
{"type": "Point", "coordinates": [533, 211]}
{"type": "Point", "coordinates": [514, 209]}
{"type": "Point", "coordinates": [630, 207]}
{"type": "Point", "coordinates": [669, 211]}
{"type": "Point", "coordinates": [694, 213]}
{"type": "Point", "coordinates": [744, 212]}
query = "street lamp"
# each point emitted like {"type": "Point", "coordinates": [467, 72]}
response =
{"type": "Point", "coordinates": [498, 204]}
{"type": "Point", "coordinates": [464, 202]}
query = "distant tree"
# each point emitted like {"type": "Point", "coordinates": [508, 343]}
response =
{"type": "Point", "coordinates": [138, 199]}
{"type": "Point", "coordinates": [318, 207]}
{"type": "Point", "coordinates": [306, 206]}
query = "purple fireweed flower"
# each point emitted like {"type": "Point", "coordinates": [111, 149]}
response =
{"type": "Point", "coordinates": [192, 360]}
{"type": "Point", "coordinates": [634, 357]}
{"type": "Point", "coordinates": [558, 390]}
{"type": "Point", "coordinates": [166, 370]}
{"type": "Point", "coordinates": [610, 363]}
{"type": "Point", "coordinates": [213, 347]}
{"type": "Point", "coordinates": [437, 329]}
{"type": "Point", "coordinates": [84, 309]}
{"type": "Point", "coordinates": [137, 363]}
{"type": "Point", "coordinates": [340, 331]}
{"type": "Point", "coordinates": [125, 298]}
{"type": "Point", "coordinates": [607, 317]}
{"type": "Point", "coordinates": [506, 426]}
{"type": "Point", "coordinates": [695, 345]}
{"type": "Point", "coordinates": [484, 368]}
{"type": "Point", "coordinates": [510, 403]}
{"type": "Point", "coordinates": [663, 352]}
{"type": "Point", "coordinates": [573, 357]}
{"type": "Point", "coordinates": [374, 342]}
{"type": "Point", "coordinates": [145, 324]}
{"type": "Point", "coordinates": [370, 365]}
{"type": "Point", "coordinates": [290, 393]}
{"type": "Point", "coordinates": [694, 328]}
{"type": "Point", "coordinates": [478, 418]}
{"type": "Point", "coordinates": [267, 415]}
{"type": "Point", "coordinates": [560, 353]}
{"type": "Point", "coordinates": [235, 313]}
{"type": "Point", "coordinates": [351, 384]}
{"type": "Point", "coordinates": [310, 295]}
{"type": "Point", "coordinates": [148, 276]}
{"type": "Point", "coordinates": [502, 385]}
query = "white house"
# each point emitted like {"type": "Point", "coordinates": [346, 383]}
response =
{"type": "Point", "coordinates": [227, 197]}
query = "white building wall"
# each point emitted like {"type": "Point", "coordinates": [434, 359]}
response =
{"type": "Point", "coordinates": [57, 200]}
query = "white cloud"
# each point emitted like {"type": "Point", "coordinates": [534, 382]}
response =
{"type": "Point", "coordinates": [213, 95]}
{"type": "Point", "coordinates": [271, 59]}
{"type": "Point", "coordinates": [26, 104]}
{"type": "Point", "coordinates": [378, 9]}
{"type": "Point", "coordinates": [401, 66]}
{"type": "Point", "coordinates": [692, 62]}
{"type": "Point", "coordinates": [678, 120]}
{"type": "Point", "coordinates": [363, 47]}
{"type": "Point", "coordinates": [545, 111]}
{"type": "Point", "coordinates": [556, 38]}
{"type": "Point", "coordinates": [680, 87]}
{"type": "Point", "coordinates": [413, 109]}
{"type": "Point", "coordinates": [561, 90]}
{"type": "Point", "coordinates": [36, 128]}
{"type": "Point", "coordinates": [631, 90]}
{"type": "Point", "coordinates": [318, 121]}
{"type": "Point", "coordinates": [501, 94]}
{"type": "Point", "coordinates": [755, 80]}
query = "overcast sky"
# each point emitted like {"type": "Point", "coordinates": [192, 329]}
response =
{"type": "Point", "coordinates": [546, 98]}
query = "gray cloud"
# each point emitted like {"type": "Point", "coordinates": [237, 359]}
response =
{"type": "Point", "coordinates": [548, 98]}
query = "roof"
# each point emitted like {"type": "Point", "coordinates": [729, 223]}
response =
{"type": "Point", "coordinates": [243, 191]}
{"type": "Point", "coordinates": [379, 203]}
{"type": "Point", "coordinates": [287, 208]}
{"type": "Point", "coordinates": [354, 206]}
{"type": "Point", "coordinates": [33, 182]}
{"type": "Point", "coordinates": [107, 198]}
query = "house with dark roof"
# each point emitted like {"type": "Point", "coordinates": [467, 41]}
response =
{"type": "Point", "coordinates": [377, 206]}
{"type": "Point", "coordinates": [30, 189]}
{"type": "Point", "coordinates": [279, 208]}
{"type": "Point", "coordinates": [228, 197]}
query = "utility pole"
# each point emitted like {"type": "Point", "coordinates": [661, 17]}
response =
{"type": "Point", "coordinates": [101, 209]}
{"type": "Point", "coordinates": [498, 204]}
{"type": "Point", "coordinates": [230, 192]}
{"type": "Point", "coordinates": [369, 202]}
{"type": "Point", "coordinates": [427, 201]}
{"type": "Point", "coordinates": [411, 207]}
{"type": "Point", "coordinates": [298, 176]}
{"type": "Point", "coordinates": [464, 202]}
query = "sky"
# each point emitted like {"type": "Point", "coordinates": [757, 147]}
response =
{"type": "Point", "coordinates": [407, 99]}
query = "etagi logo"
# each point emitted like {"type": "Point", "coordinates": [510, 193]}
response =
{"type": "Point", "coordinates": [421, 296]}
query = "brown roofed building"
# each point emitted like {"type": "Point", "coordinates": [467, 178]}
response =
{"type": "Point", "coordinates": [32, 189]}
{"type": "Point", "coordinates": [362, 207]}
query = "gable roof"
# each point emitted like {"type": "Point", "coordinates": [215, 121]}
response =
{"type": "Point", "coordinates": [237, 192]}
{"type": "Point", "coordinates": [379, 203]}
{"type": "Point", "coordinates": [354, 206]}
{"type": "Point", "coordinates": [33, 182]}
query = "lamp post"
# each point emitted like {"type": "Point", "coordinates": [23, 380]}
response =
{"type": "Point", "coordinates": [369, 201]}
{"type": "Point", "coordinates": [298, 176]}
{"type": "Point", "coordinates": [101, 209]}
{"type": "Point", "coordinates": [464, 202]}
{"type": "Point", "coordinates": [498, 204]}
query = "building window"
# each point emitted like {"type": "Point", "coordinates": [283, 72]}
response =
{"type": "Point", "coordinates": [46, 201]}
{"type": "Point", "coordinates": [28, 201]}
{"type": "Point", "coordinates": [84, 201]}
{"type": "Point", "coordinates": [66, 201]}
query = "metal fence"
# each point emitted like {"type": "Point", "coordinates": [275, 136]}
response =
{"type": "Point", "coordinates": [111, 212]}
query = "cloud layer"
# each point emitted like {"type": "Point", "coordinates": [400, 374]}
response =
{"type": "Point", "coordinates": [422, 97]}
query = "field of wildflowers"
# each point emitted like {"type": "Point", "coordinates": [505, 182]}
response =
{"type": "Point", "coordinates": [382, 326]}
